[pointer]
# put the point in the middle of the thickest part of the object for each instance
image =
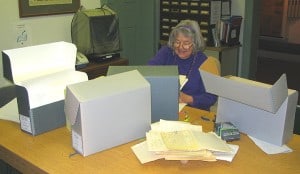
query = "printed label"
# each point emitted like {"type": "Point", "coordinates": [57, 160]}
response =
{"type": "Point", "coordinates": [25, 123]}
{"type": "Point", "coordinates": [77, 142]}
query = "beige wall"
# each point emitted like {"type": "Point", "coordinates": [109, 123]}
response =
{"type": "Point", "coordinates": [41, 29]}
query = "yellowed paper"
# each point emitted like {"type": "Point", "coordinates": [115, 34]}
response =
{"type": "Point", "coordinates": [171, 126]}
{"type": "Point", "coordinates": [144, 156]}
{"type": "Point", "coordinates": [182, 81]}
{"type": "Point", "coordinates": [211, 142]}
{"type": "Point", "coordinates": [48, 2]}
{"type": "Point", "coordinates": [155, 142]}
{"type": "Point", "coordinates": [180, 140]}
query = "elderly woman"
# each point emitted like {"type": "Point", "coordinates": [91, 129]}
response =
{"type": "Point", "coordinates": [184, 49]}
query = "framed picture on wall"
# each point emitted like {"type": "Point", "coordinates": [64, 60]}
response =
{"type": "Point", "coordinates": [29, 8]}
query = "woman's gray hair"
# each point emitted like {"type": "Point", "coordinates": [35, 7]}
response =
{"type": "Point", "coordinates": [188, 28]}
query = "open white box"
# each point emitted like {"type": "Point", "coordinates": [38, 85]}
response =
{"type": "Point", "coordinates": [266, 112]}
{"type": "Point", "coordinates": [108, 111]}
{"type": "Point", "coordinates": [41, 74]}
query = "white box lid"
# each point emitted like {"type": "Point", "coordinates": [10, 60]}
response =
{"type": "Point", "coordinates": [101, 88]}
{"type": "Point", "coordinates": [39, 60]}
{"type": "Point", "coordinates": [256, 94]}
{"type": "Point", "coordinates": [51, 88]}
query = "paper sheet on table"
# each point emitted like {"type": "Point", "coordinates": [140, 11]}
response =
{"type": "Point", "coordinates": [143, 154]}
{"type": "Point", "coordinates": [191, 137]}
{"type": "Point", "coordinates": [155, 142]}
{"type": "Point", "coordinates": [211, 141]}
{"type": "Point", "coordinates": [270, 148]}
{"type": "Point", "coordinates": [10, 111]}
{"type": "Point", "coordinates": [187, 140]}
{"type": "Point", "coordinates": [204, 155]}
{"type": "Point", "coordinates": [159, 129]}
{"type": "Point", "coordinates": [171, 126]}
{"type": "Point", "coordinates": [180, 140]}
{"type": "Point", "coordinates": [227, 156]}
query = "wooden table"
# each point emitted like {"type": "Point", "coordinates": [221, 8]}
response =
{"type": "Point", "coordinates": [50, 153]}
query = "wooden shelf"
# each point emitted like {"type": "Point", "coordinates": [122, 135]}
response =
{"type": "Point", "coordinates": [96, 69]}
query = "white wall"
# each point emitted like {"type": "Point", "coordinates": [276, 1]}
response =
{"type": "Point", "coordinates": [41, 29]}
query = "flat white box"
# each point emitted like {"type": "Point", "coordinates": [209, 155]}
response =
{"type": "Point", "coordinates": [108, 111]}
{"type": "Point", "coordinates": [41, 74]}
{"type": "Point", "coordinates": [263, 111]}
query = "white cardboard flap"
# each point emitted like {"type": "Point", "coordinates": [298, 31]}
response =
{"type": "Point", "coordinates": [101, 89]}
{"type": "Point", "coordinates": [39, 60]}
{"type": "Point", "coordinates": [256, 94]}
{"type": "Point", "coordinates": [71, 106]}
{"type": "Point", "coordinates": [51, 88]}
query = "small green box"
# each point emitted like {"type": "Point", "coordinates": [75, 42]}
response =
{"type": "Point", "coordinates": [227, 131]}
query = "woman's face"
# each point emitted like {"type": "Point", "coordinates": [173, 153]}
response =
{"type": "Point", "coordinates": [183, 46]}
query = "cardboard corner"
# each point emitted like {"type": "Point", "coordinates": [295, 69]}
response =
{"type": "Point", "coordinates": [71, 107]}
{"type": "Point", "coordinates": [256, 94]}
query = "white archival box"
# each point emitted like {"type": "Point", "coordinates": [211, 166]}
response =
{"type": "Point", "coordinates": [264, 111]}
{"type": "Point", "coordinates": [164, 88]}
{"type": "Point", "coordinates": [41, 74]}
{"type": "Point", "coordinates": [108, 111]}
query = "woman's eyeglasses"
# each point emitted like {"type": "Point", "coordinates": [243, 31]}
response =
{"type": "Point", "coordinates": [184, 45]}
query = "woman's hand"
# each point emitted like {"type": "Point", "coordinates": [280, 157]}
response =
{"type": "Point", "coordinates": [184, 98]}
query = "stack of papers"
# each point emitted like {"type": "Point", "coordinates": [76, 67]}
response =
{"type": "Point", "coordinates": [177, 140]}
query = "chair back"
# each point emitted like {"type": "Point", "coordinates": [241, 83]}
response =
{"type": "Point", "coordinates": [212, 65]}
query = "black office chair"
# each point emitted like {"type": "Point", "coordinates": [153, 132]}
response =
{"type": "Point", "coordinates": [297, 121]}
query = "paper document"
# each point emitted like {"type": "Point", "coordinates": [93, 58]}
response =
{"type": "Point", "coordinates": [227, 156]}
{"type": "Point", "coordinates": [215, 12]}
{"type": "Point", "coordinates": [177, 140]}
{"type": "Point", "coordinates": [143, 154]}
{"type": "Point", "coordinates": [180, 140]}
{"type": "Point", "coordinates": [155, 142]}
{"type": "Point", "coordinates": [173, 126]}
{"type": "Point", "coordinates": [211, 141]}
{"type": "Point", "coordinates": [225, 8]}
{"type": "Point", "coordinates": [270, 148]}
{"type": "Point", "coordinates": [182, 81]}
